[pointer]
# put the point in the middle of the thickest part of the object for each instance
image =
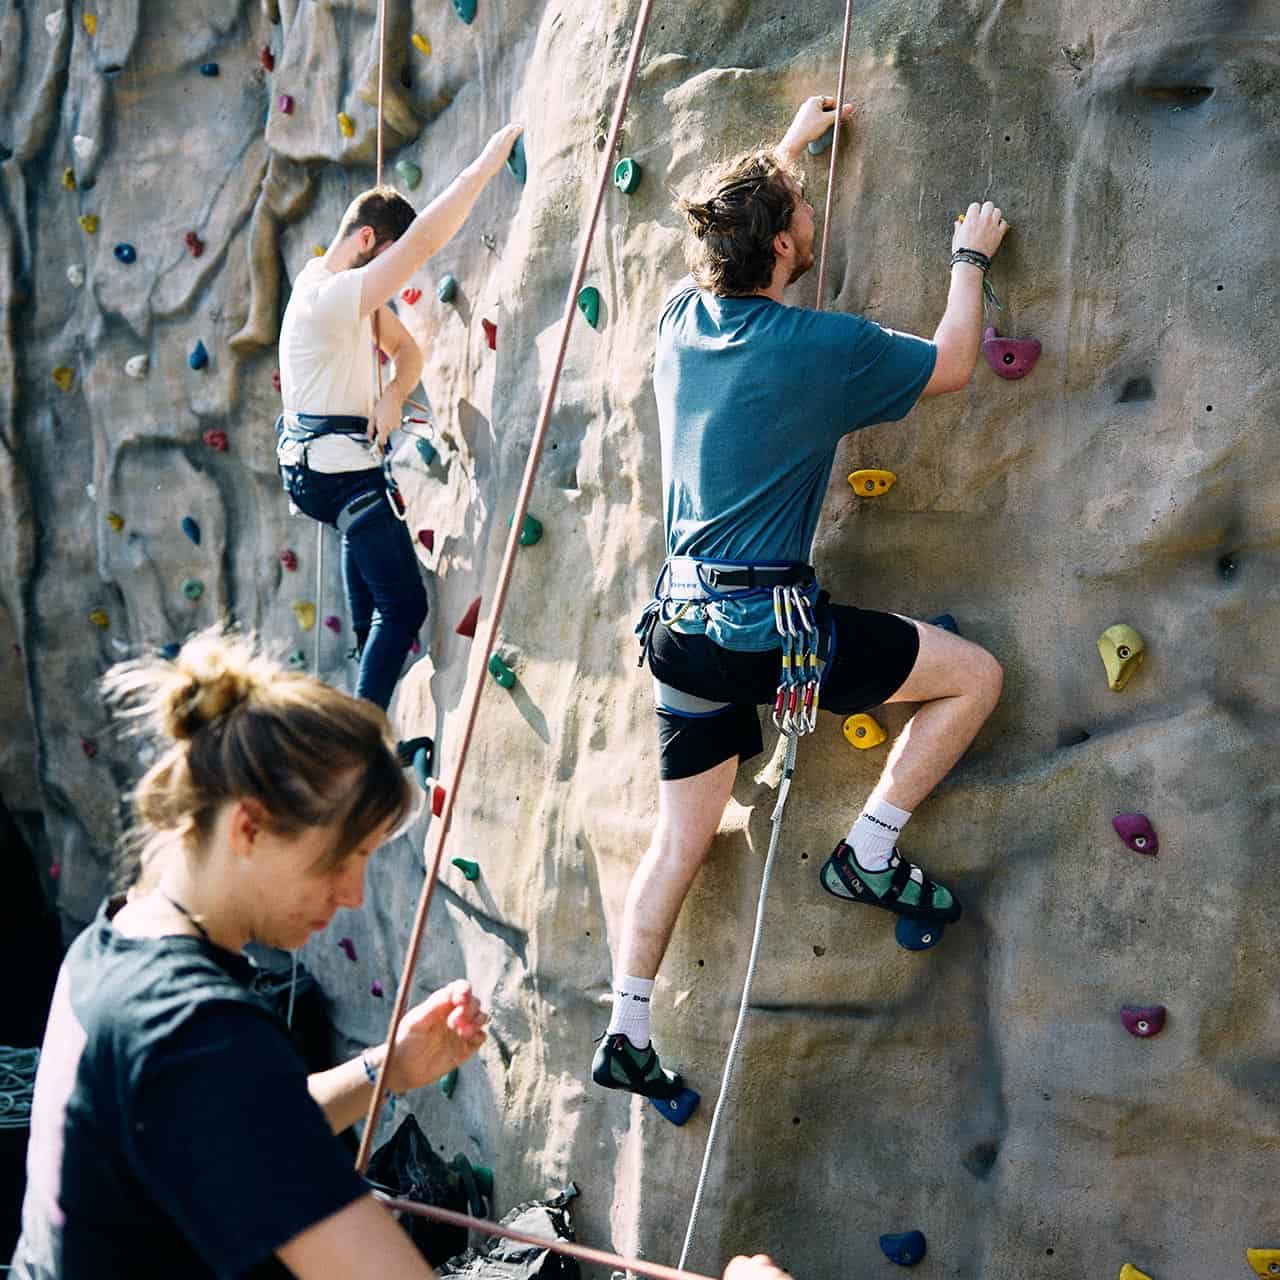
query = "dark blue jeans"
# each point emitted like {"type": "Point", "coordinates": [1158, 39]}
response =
{"type": "Point", "coordinates": [379, 572]}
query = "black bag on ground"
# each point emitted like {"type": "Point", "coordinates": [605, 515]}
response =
{"type": "Point", "coordinates": [498, 1259]}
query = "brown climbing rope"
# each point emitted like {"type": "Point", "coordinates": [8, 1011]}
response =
{"type": "Point", "coordinates": [500, 593]}
{"type": "Point", "coordinates": [382, 48]}
{"type": "Point", "coordinates": [835, 149]}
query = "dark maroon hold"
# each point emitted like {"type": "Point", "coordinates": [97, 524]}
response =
{"type": "Point", "coordinates": [1143, 1021]}
{"type": "Point", "coordinates": [1136, 831]}
{"type": "Point", "coordinates": [1010, 358]}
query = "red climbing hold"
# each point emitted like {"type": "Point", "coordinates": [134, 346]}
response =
{"type": "Point", "coordinates": [428, 538]}
{"type": "Point", "coordinates": [55, 870]}
{"type": "Point", "coordinates": [89, 747]}
{"type": "Point", "coordinates": [194, 244]}
{"type": "Point", "coordinates": [490, 333]}
{"type": "Point", "coordinates": [411, 295]}
{"type": "Point", "coordinates": [467, 627]}
{"type": "Point", "coordinates": [289, 559]}
{"type": "Point", "coordinates": [334, 623]}
{"type": "Point", "coordinates": [382, 356]}
{"type": "Point", "coordinates": [267, 58]}
{"type": "Point", "coordinates": [1010, 358]}
{"type": "Point", "coordinates": [1136, 831]}
{"type": "Point", "coordinates": [216, 439]}
{"type": "Point", "coordinates": [275, 379]}
{"type": "Point", "coordinates": [437, 800]}
{"type": "Point", "coordinates": [1143, 1021]}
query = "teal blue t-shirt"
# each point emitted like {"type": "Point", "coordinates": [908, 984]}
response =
{"type": "Point", "coordinates": [753, 397]}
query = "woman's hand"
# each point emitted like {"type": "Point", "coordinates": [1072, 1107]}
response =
{"type": "Point", "coordinates": [437, 1035]}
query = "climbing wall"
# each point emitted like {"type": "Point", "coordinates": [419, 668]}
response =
{"type": "Point", "coordinates": [167, 169]}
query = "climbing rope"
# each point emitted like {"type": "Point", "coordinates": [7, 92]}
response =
{"type": "Point", "coordinates": [835, 151]}
{"type": "Point", "coordinates": [17, 1083]}
{"type": "Point", "coordinates": [504, 580]}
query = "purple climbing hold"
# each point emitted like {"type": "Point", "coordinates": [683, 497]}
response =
{"type": "Point", "coordinates": [1136, 831]}
{"type": "Point", "coordinates": [1010, 358]}
{"type": "Point", "coordinates": [1143, 1021]}
{"type": "Point", "coordinates": [285, 103]}
{"type": "Point", "coordinates": [375, 989]}
{"type": "Point", "coordinates": [191, 529]}
{"type": "Point", "coordinates": [199, 356]}
{"type": "Point", "coordinates": [348, 949]}
{"type": "Point", "coordinates": [125, 253]}
{"type": "Point", "coordinates": [334, 623]}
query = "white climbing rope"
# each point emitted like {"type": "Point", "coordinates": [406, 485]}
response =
{"type": "Point", "coordinates": [784, 788]}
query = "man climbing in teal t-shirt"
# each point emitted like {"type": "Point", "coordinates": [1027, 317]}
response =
{"type": "Point", "coordinates": [753, 397]}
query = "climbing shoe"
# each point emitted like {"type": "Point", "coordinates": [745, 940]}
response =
{"type": "Point", "coordinates": [406, 750]}
{"type": "Point", "coordinates": [618, 1064]}
{"type": "Point", "coordinates": [901, 887]}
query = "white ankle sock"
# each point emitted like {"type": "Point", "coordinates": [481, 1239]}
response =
{"type": "Point", "coordinates": [875, 833]}
{"type": "Point", "coordinates": [631, 1008]}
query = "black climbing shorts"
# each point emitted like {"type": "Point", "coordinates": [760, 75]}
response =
{"type": "Point", "coordinates": [872, 656]}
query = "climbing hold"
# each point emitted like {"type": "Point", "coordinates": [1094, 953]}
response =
{"type": "Point", "coordinates": [216, 439]}
{"type": "Point", "coordinates": [426, 450]}
{"type": "Point", "coordinates": [191, 529]}
{"type": "Point", "coordinates": [195, 245]}
{"type": "Point", "coordinates": [334, 623]}
{"type": "Point", "coordinates": [318, 251]}
{"type": "Point", "coordinates": [905, 1249]}
{"type": "Point", "coordinates": [467, 627]}
{"type": "Point", "coordinates": [589, 304]}
{"type": "Point", "coordinates": [416, 647]}
{"type": "Point", "coordinates": [64, 376]}
{"type": "Point", "coordinates": [437, 800]}
{"type": "Point", "coordinates": [209, 69]}
{"type": "Point", "coordinates": [100, 619]}
{"type": "Point", "coordinates": [170, 651]}
{"type": "Point", "coordinates": [502, 673]}
{"type": "Point", "coordinates": [55, 870]}
{"type": "Point", "coordinates": [1130, 1272]}
{"type": "Point", "coordinates": [490, 334]}
{"type": "Point", "coordinates": [679, 1107]}
{"type": "Point", "coordinates": [1265, 1262]}
{"type": "Point", "coordinates": [515, 160]}
{"type": "Point", "coordinates": [346, 124]}
{"type": "Point", "coordinates": [54, 22]}
{"type": "Point", "coordinates": [115, 520]}
{"type": "Point", "coordinates": [1136, 831]}
{"type": "Point", "coordinates": [428, 538]}
{"type": "Point", "coordinates": [1143, 1021]}
{"type": "Point", "coordinates": [137, 366]}
{"type": "Point", "coordinates": [871, 483]}
{"type": "Point", "coordinates": [305, 612]}
{"type": "Point", "coordinates": [409, 173]}
{"type": "Point", "coordinates": [410, 295]}
{"type": "Point", "coordinates": [447, 289]}
{"type": "Point", "coordinates": [375, 989]}
{"type": "Point", "coordinates": [89, 747]}
{"type": "Point", "coordinates": [819, 145]}
{"type": "Point", "coordinates": [863, 732]}
{"type": "Point", "coordinates": [199, 356]}
{"type": "Point", "coordinates": [89, 223]}
{"type": "Point", "coordinates": [82, 145]}
{"type": "Point", "coordinates": [285, 103]}
{"type": "Point", "coordinates": [1010, 358]}
{"type": "Point", "coordinates": [530, 531]}
{"type": "Point", "coordinates": [626, 175]}
{"type": "Point", "coordinates": [75, 275]}
{"type": "Point", "coordinates": [946, 622]}
{"type": "Point", "coordinates": [421, 43]}
{"type": "Point", "coordinates": [192, 588]}
{"type": "Point", "coordinates": [465, 9]}
{"type": "Point", "coordinates": [915, 935]}
{"type": "Point", "coordinates": [422, 760]}
{"type": "Point", "coordinates": [348, 949]}
{"type": "Point", "coordinates": [69, 178]}
{"type": "Point", "coordinates": [1121, 648]}
{"type": "Point", "coordinates": [289, 559]}
{"type": "Point", "coordinates": [90, 21]}
{"type": "Point", "coordinates": [275, 379]}
{"type": "Point", "coordinates": [470, 870]}
{"type": "Point", "coordinates": [297, 659]}
{"type": "Point", "coordinates": [125, 253]}
{"type": "Point", "coordinates": [449, 1082]}
{"type": "Point", "coordinates": [267, 58]}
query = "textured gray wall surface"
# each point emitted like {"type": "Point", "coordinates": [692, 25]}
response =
{"type": "Point", "coordinates": [984, 1091]}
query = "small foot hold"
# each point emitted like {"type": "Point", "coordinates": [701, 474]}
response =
{"type": "Point", "coordinates": [1144, 1021]}
{"type": "Point", "coordinates": [946, 622]}
{"type": "Point", "coordinates": [1010, 358]}
{"type": "Point", "coordinates": [1130, 1272]}
{"type": "Point", "coordinates": [1265, 1262]}
{"type": "Point", "coordinates": [449, 1082]}
{"type": "Point", "coordinates": [906, 1249]}
{"type": "Point", "coordinates": [1136, 831]}
{"type": "Point", "coordinates": [470, 870]}
{"type": "Point", "coordinates": [467, 627]}
{"type": "Point", "coordinates": [863, 731]}
{"type": "Point", "coordinates": [679, 1107]}
{"type": "Point", "coordinates": [872, 482]}
{"type": "Point", "coordinates": [1121, 649]}
{"type": "Point", "coordinates": [916, 935]}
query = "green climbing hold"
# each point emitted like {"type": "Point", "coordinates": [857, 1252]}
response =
{"type": "Point", "coordinates": [449, 1082]}
{"type": "Point", "coordinates": [447, 289]}
{"type": "Point", "coordinates": [297, 659]}
{"type": "Point", "coordinates": [469, 869]}
{"type": "Point", "coordinates": [589, 304]}
{"type": "Point", "coordinates": [819, 145]}
{"type": "Point", "coordinates": [502, 673]}
{"type": "Point", "coordinates": [466, 10]}
{"type": "Point", "coordinates": [192, 588]}
{"type": "Point", "coordinates": [515, 159]}
{"type": "Point", "coordinates": [426, 450]}
{"type": "Point", "coordinates": [409, 173]}
{"type": "Point", "coordinates": [530, 530]}
{"type": "Point", "coordinates": [626, 175]}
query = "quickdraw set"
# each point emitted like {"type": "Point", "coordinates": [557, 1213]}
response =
{"type": "Point", "coordinates": [795, 709]}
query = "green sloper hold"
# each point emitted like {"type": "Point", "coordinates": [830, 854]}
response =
{"type": "Point", "coordinates": [470, 870]}
{"type": "Point", "coordinates": [589, 304]}
{"type": "Point", "coordinates": [626, 175]}
{"type": "Point", "coordinates": [409, 173]}
{"type": "Point", "coordinates": [530, 530]}
{"type": "Point", "coordinates": [447, 289]}
{"type": "Point", "coordinates": [515, 161]}
{"type": "Point", "coordinates": [466, 10]}
{"type": "Point", "coordinates": [501, 672]}
{"type": "Point", "coordinates": [449, 1082]}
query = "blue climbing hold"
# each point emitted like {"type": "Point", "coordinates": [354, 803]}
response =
{"type": "Point", "coordinates": [422, 763]}
{"type": "Point", "coordinates": [819, 145]}
{"type": "Point", "coordinates": [208, 68]}
{"type": "Point", "coordinates": [191, 529]}
{"type": "Point", "coordinates": [906, 1249]}
{"type": "Point", "coordinates": [199, 356]}
{"type": "Point", "coordinates": [515, 161]}
{"type": "Point", "coordinates": [679, 1107]}
{"type": "Point", "coordinates": [946, 622]}
{"type": "Point", "coordinates": [125, 253]}
{"type": "Point", "coordinates": [466, 10]}
{"type": "Point", "coordinates": [916, 935]}
{"type": "Point", "coordinates": [169, 651]}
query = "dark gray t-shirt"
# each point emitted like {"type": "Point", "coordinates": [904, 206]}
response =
{"type": "Point", "coordinates": [172, 1133]}
{"type": "Point", "coordinates": [753, 397]}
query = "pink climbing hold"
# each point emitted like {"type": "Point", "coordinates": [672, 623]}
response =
{"type": "Point", "coordinates": [382, 356]}
{"type": "Point", "coordinates": [275, 379]}
{"type": "Point", "coordinates": [375, 989]}
{"type": "Point", "coordinates": [334, 623]}
{"type": "Point", "coordinates": [428, 538]}
{"type": "Point", "coordinates": [490, 334]}
{"type": "Point", "coordinates": [348, 949]}
{"type": "Point", "coordinates": [467, 627]}
{"type": "Point", "coordinates": [1143, 1021]}
{"type": "Point", "coordinates": [437, 801]}
{"type": "Point", "coordinates": [216, 439]}
{"type": "Point", "coordinates": [89, 747]}
{"type": "Point", "coordinates": [1010, 358]}
{"type": "Point", "coordinates": [289, 559]}
{"type": "Point", "coordinates": [1136, 831]}
{"type": "Point", "coordinates": [285, 102]}
{"type": "Point", "coordinates": [410, 295]}
{"type": "Point", "coordinates": [194, 244]}
{"type": "Point", "coordinates": [267, 58]}
{"type": "Point", "coordinates": [55, 870]}
{"type": "Point", "coordinates": [415, 648]}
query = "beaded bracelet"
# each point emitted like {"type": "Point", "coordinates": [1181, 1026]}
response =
{"type": "Point", "coordinates": [972, 258]}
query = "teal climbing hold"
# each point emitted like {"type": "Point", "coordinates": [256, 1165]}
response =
{"type": "Point", "coordinates": [426, 450]}
{"type": "Point", "coordinates": [209, 69]}
{"type": "Point", "coordinates": [447, 289]}
{"type": "Point", "coordinates": [466, 10]}
{"type": "Point", "coordinates": [409, 173]}
{"type": "Point", "coordinates": [192, 588]}
{"type": "Point", "coordinates": [502, 673]}
{"type": "Point", "coordinates": [422, 762]}
{"type": "Point", "coordinates": [589, 304]}
{"type": "Point", "coordinates": [449, 1083]}
{"type": "Point", "coordinates": [125, 253]}
{"type": "Point", "coordinates": [199, 356]}
{"type": "Point", "coordinates": [916, 935]}
{"type": "Point", "coordinates": [469, 869]}
{"type": "Point", "coordinates": [515, 159]}
{"type": "Point", "coordinates": [819, 145]}
{"type": "Point", "coordinates": [626, 175]}
{"type": "Point", "coordinates": [297, 659]}
{"type": "Point", "coordinates": [191, 529]}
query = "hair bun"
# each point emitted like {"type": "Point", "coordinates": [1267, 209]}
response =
{"type": "Point", "coordinates": [210, 678]}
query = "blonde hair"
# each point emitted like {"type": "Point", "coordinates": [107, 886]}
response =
{"type": "Point", "coordinates": [231, 725]}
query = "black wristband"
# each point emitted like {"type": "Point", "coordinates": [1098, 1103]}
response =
{"type": "Point", "coordinates": [972, 257]}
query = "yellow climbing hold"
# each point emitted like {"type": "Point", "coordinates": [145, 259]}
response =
{"type": "Point", "coordinates": [318, 251]}
{"type": "Point", "coordinates": [89, 223]}
{"type": "Point", "coordinates": [863, 732]}
{"type": "Point", "coordinates": [115, 520]}
{"type": "Point", "coordinates": [871, 483]}
{"type": "Point", "coordinates": [346, 124]}
{"type": "Point", "coordinates": [305, 612]}
{"type": "Point", "coordinates": [69, 178]}
{"type": "Point", "coordinates": [1266, 1262]}
{"type": "Point", "coordinates": [64, 376]}
{"type": "Point", "coordinates": [1121, 648]}
{"type": "Point", "coordinates": [90, 21]}
{"type": "Point", "coordinates": [99, 618]}
{"type": "Point", "coordinates": [1130, 1272]}
{"type": "Point", "coordinates": [422, 44]}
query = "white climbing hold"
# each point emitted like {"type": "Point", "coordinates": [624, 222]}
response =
{"type": "Point", "coordinates": [82, 146]}
{"type": "Point", "coordinates": [54, 23]}
{"type": "Point", "coordinates": [75, 275]}
{"type": "Point", "coordinates": [136, 366]}
{"type": "Point", "coordinates": [92, 491]}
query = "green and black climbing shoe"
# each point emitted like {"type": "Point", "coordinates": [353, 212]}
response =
{"type": "Point", "coordinates": [618, 1064]}
{"type": "Point", "coordinates": [406, 750]}
{"type": "Point", "coordinates": [901, 887]}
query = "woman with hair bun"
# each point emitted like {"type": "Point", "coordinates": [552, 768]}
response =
{"type": "Point", "coordinates": [175, 1131]}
